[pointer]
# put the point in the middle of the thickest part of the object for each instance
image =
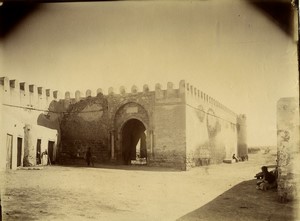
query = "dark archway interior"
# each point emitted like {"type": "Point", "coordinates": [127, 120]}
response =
{"type": "Point", "coordinates": [133, 141]}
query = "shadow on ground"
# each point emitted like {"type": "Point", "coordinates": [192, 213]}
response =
{"type": "Point", "coordinates": [244, 202]}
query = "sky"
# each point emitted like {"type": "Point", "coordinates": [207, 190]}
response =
{"type": "Point", "coordinates": [228, 49]}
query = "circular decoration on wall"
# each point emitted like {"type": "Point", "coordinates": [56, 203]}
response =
{"type": "Point", "coordinates": [213, 125]}
{"type": "Point", "coordinates": [200, 113]}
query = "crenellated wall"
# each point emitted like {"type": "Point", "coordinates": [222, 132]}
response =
{"type": "Point", "coordinates": [22, 94]}
{"type": "Point", "coordinates": [29, 103]}
{"type": "Point", "coordinates": [211, 134]}
{"type": "Point", "coordinates": [184, 126]}
{"type": "Point", "coordinates": [97, 121]}
{"type": "Point", "coordinates": [169, 148]}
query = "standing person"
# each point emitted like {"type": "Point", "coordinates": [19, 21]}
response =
{"type": "Point", "coordinates": [44, 158]}
{"type": "Point", "coordinates": [38, 158]}
{"type": "Point", "coordinates": [88, 156]}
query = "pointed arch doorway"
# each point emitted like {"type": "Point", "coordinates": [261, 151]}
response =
{"type": "Point", "coordinates": [133, 142]}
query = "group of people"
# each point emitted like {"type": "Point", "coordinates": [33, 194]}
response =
{"type": "Point", "coordinates": [242, 158]}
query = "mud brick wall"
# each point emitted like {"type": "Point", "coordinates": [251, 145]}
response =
{"type": "Point", "coordinates": [169, 136]}
{"type": "Point", "coordinates": [211, 134]}
{"type": "Point", "coordinates": [288, 148]}
{"type": "Point", "coordinates": [90, 121]}
{"type": "Point", "coordinates": [169, 127]}
{"type": "Point", "coordinates": [86, 125]}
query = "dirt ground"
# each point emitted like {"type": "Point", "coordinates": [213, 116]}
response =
{"type": "Point", "coordinates": [217, 192]}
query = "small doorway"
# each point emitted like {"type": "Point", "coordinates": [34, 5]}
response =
{"type": "Point", "coordinates": [19, 152]}
{"type": "Point", "coordinates": [50, 151]}
{"type": "Point", "coordinates": [9, 145]}
{"type": "Point", "coordinates": [38, 151]}
{"type": "Point", "coordinates": [134, 150]}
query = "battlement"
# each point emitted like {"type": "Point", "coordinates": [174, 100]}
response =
{"type": "Point", "coordinates": [242, 119]}
{"type": "Point", "coordinates": [30, 95]}
{"type": "Point", "coordinates": [194, 93]}
{"type": "Point", "coordinates": [169, 92]}
{"type": "Point", "coordinates": [242, 116]}
{"type": "Point", "coordinates": [23, 94]}
{"type": "Point", "coordinates": [78, 95]}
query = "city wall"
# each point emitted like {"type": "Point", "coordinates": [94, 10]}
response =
{"type": "Point", "coordinates": [97, 121]}
{"type": "Point", "coordinates": [211, 134]}
{"type": "Point", "coordinates": [184, 126]}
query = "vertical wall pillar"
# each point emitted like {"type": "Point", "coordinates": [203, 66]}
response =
{"type": "Point", "coordinates": [151, 143]}
{"type": "Point", "coordinates": [288, 148]}
{"type": "Point", "coordinates": [29, 147]}
{"type": "Point", "coordinates": [112, 140]}
{"type": "Point", "coordinates": [242, 149]}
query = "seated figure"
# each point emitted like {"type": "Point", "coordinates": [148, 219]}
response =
{"type": "Point", "coordinates": [235, 158]}
{"type": "Point", "coordinates": [268, 181]}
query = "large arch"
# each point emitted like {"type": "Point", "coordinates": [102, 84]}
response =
{"type": "Point", "coordinates": [133, 142]}
{"type": "Point", "coordinates": [131, 133]}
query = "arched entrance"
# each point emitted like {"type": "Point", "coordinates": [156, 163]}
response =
{"type": "Point", "coordinates": [133, 142]}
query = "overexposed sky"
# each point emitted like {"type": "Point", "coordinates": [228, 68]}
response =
{"type": "Point", "coordinates": [227, 49]}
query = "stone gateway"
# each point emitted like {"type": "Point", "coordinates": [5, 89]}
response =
{"type": "Point", "coordinates": [178, 127]}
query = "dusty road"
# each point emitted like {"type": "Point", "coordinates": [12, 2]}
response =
{"type": "Point", "coordinates": [123, 193]}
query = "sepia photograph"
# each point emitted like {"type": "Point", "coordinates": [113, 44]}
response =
{"type": "Point", "coordinates": [149, 110]}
